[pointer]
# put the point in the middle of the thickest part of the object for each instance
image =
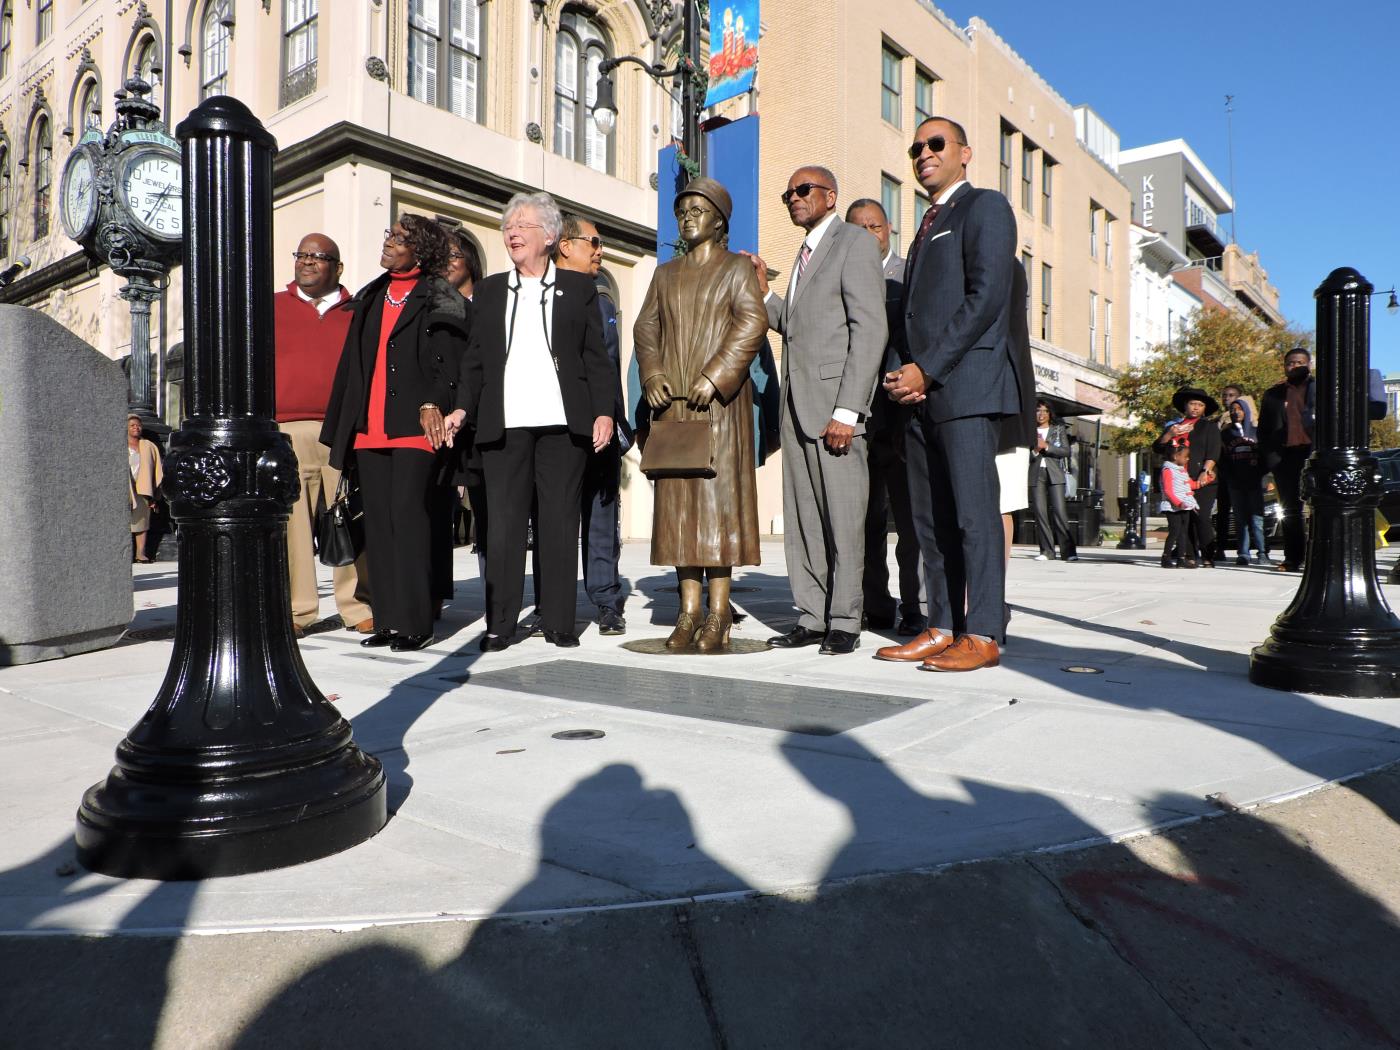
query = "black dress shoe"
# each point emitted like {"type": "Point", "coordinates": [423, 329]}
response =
{"type": "Point", "coordinates": [838, 643]}
{"type": "Point", "coordinates": [796, 638]}
{"type": "Point", "coordinates": [910, 626]}
{"type": "Point", "coordinates": [378, 640]}
{"type": "Point", "coordinates": [408, 643]}
{"type": "Point", "coordinates": [494, 643]}
{"type": "Point", "coordinates": [561, 638]}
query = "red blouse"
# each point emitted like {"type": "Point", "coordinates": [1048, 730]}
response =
{"type": "Point", "coordinates": [400, 284]}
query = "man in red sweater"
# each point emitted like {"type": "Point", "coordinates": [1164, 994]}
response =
{"type": "Point", "coordinates": [310, 334]}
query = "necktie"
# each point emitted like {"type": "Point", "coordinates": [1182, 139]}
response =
{"type": "Point", "coordinates": [802, 258]}
{"type": "Point", "coordinates": [929, 216]}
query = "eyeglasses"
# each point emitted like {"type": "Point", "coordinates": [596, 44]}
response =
{"type": "Point", "coordinates": [594, 242]}
{"type": "Point", "coordinates": [520, 227]}
{"type": "Point", "coordinates": [935, 144]}
{"type": "Point", "coordinates": [314, 257]}
{"type": "Point", "coordinates": [390, 237]}
{"type": "Point", "coordinates": [802, 189]}
{"type": "Point", "coordinates": [695, 211]}
{"type": "Point", "coordinates": [455, 255]}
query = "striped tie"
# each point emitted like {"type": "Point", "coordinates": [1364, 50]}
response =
{"type": "Point", "coordinates": [801, 264]}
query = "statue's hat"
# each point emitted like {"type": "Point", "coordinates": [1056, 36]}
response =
{"type": "Point", "coordinates": [712, 191]}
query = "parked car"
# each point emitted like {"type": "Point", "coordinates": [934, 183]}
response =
{"type": "Point", "coordinates": [1389, 459]}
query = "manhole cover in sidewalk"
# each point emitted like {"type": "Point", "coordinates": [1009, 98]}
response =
{"type": "Point", "coordinates": [769, 705]}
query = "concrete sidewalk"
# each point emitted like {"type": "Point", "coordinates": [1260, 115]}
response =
{"type": "Point", "coordinates": [1122, 705]}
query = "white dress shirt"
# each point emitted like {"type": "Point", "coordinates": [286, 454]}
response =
{"type": "Point", "coordinates": [327, 301]}
{"type": "Point", "coordinates": [943, 197]}
{"type": "Point", "coordinates": [531, 395]}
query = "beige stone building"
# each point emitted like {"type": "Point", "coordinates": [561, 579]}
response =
{"type": "Point", "coordinates": [447, 107]}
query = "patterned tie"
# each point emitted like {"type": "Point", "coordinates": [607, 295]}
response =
{"type": "Point", "coordinates": [801, 265]}
{"type": "Point", "coordinates": [929, 216]}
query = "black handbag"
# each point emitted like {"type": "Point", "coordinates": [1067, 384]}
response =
{"type": "Point", "coordinates": [340, 530]}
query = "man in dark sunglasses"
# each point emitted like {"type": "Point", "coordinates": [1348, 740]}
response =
{"type": "Point", "coordinates": [580, 248]}
{"type": "Point", "coordinates": [957, 368]}
{"type": "Point", "coordinates": [834, 328]}
{"type": "Point", "coordinates": [308, 337]}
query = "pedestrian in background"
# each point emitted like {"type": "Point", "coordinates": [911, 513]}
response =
{"type": "Point", "coordinates": [309, 331]}
{"type": "Point", "coordinates": [1286, 414]}
{"type": "Point", "coordinates": [538, 394]}
{"type": "Point", "coordinates": [397, 375]}
{"type": "Point", "coordinates": [1244, 480]}
{"type": "Point", "coordinates": [1180, 505]}
{"type": "Point", "coordinates": [1046, 481]}
{"type": "Point", "coordinates": [143, 459]}
{"type": "Point", "coordinates": [1196, 432]}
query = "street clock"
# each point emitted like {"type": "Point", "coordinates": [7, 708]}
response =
{"type": "Point", "coordinates": [150, 186]}
{"type": "Point", "coordinates": [78, 193]}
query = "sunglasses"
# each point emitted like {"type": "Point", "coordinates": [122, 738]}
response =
{"type": "Point", "coordinates": [802, 189]}
{"type": "Point", "coordinates": [935, 144]}
{"type": "Point", "coordinates": [594, 242]}
{"type": "Point", "coordinates": [320, 257]}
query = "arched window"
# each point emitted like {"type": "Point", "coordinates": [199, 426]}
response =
{"type": "Point", "coordinates": [213, 56]}
{"type": "Point", "coordinates": [146, 65]}
{"type": "Point", "coordinates": [89, 111]}
{"type": "Point", "coordinates": [579, 50]}
{"type": "Point", "coordinates": [4, 200]}
{"type": "Point", "coordinates": [43, 174]}
{"type": "Point", "coordinates": [7, 35]}
{"type": "Point", "coordinates": [445, 55]}
{"type": "Point", "coordinates": [299, 18]}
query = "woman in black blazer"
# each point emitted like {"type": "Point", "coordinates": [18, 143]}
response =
{"type": "Point", "coordinates": [1049, 454]}
{"type": "Point", "coordinates": [538, 391]}
{"type": "Point", "coordinates": [397, 375]}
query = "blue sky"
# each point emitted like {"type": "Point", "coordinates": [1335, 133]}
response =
{"type": "Point", "coordinates": [1316, 122]}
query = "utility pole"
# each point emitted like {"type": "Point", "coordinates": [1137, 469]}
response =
{"type": "Point", "coordinates": [1230, 149]}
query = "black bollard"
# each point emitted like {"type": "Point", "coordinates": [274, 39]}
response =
{"type": "Point", "coordinates": [240, 764]}
{"type": "Point", "coordinates": [1338, 637]}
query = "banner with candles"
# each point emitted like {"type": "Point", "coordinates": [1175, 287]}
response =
{"type": "Point", "coordinates": [733, 48]}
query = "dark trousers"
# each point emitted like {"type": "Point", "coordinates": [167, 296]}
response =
{"type": "Point", "coordinates": [528, 463]}
{"type": "Point", "coordinates": [954, 496]}
{"type": "Point", "coordinates": [1179, 544]}
{"type": "Point", "coordinates": [602, 528]}
{"type": "Point", "coordinates": [1246, 491]}
{"type": "Point", "coordinates": [1051, 517]}
{"type": "Point", "coordinates": [1224, 507]}
{"type": "Point", "coordinates": [395, 486]}
{"type": "Point", "coordinates": [1288, 477]}
{"type": "Point", "coordinates": [443, 503]}
{"type": "Point", "coordinates": [889, 493]}
{"type": "Point", "coordinates": [1203, 522]}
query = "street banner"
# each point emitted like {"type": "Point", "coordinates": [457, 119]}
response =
{"type": "Point", "coordinates": [733, 48]}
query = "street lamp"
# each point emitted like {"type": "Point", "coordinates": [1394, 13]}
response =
{"type": "Point", "coordinates": [1392, 307]}
{"type": "Point", "coordinates": [687, 68]}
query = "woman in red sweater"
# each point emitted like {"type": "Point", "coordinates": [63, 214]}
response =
{"type": "Point", "coordinates": [397, 376]}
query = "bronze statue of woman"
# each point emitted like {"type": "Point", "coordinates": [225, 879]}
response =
{"type": "Point", "coordinates": [699, 329]}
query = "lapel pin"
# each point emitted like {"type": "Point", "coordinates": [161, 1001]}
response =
{"type": "Point", "coordinates": [558, 291]}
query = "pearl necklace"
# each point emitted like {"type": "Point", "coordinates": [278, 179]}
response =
{"type": "Point", "coordinates": [396, 303]}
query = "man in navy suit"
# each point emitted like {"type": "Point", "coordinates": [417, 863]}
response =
{"type": "Point", "coordinates": [958, 370]}
{"type": "Point", "coordinates": [580, 248]}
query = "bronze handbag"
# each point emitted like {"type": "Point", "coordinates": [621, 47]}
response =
{"type": "Point", "coordinates": [678, 448]}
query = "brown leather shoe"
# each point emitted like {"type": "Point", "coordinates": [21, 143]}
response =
{"type": "Point", "coordinates": [925, 645]}
{"type": "Point", "coordinates": [966, 654]}
{"type": "Point", "coordinates": [365, 626]}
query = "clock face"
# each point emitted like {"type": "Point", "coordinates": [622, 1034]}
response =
{"type": "Point", "coordinates": [79, 195]}
{"type": "Point", "coordinates": [151, 183]}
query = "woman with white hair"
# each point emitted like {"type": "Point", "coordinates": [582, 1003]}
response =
{"type": "Point", "coordinates": [538, 392]}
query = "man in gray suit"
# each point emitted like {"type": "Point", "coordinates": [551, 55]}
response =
{"type": "Point", "coordinates": [958, 369]}
{"type": "Point", "coordinates": [889, 482]}
{"type": "Point", "coordinates": [834, 329]}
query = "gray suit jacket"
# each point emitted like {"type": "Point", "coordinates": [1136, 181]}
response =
{"type": "Point", "coordinates": [958, 307]}
{"type": "Point", "coordinates": [1055, 456]}
{"type": "Point", "coordinates": [834, 330]}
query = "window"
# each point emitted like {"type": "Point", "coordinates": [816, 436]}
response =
{"type": "Point", "coordinates": [1093, 231]}
{"type": "Point", "coordinates": [579, 50]}
{"type": "Point", "coordinates": [1093, 326]}
{"type": "Point", "coordinates": [1108, 331]}
{"type": "Point", "coordinates": [889, 200]}
{"type": "Point", "coordinates": [4, 201]}
{"type": "Point", "coordinates": [444, 68]}
{"type": "Point", "coordinates": [1008, 144]}
{"type": "Point", "coordinates": [1028, 178]}
{"type": "Point", "coordinates": [1045, 302]}
{"type": "Point", "coordinates": [44, 20]}
{"type": "Point", "coordinates": [43, 175]}
{"type": "Point", "coordinates": [1026, 266]}
{"type": "Point", "coordinates": [920, 209]}
{"type": "Point", "coordinates": [7, 35]}
{"type": "Point", "coordinates": [145, 65]}
{"type": "Point", "coordinates": [1107, 243]}
{"type": "Point", "coordinates": [213, 58]}
{"type": "Point", "coordinates": [891, 62]}
{"type": "Point", "coordinates": [1047, 184]}
{"type": "Point", "coordinates": [88, 114]}
{"type": "Point", "coordinates": [298, 50]}
{"type": "Point", "coordinates": [923, 96]}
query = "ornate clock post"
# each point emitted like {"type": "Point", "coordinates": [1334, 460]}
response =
{"type": "Point", "coordinates": [121, 200]}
